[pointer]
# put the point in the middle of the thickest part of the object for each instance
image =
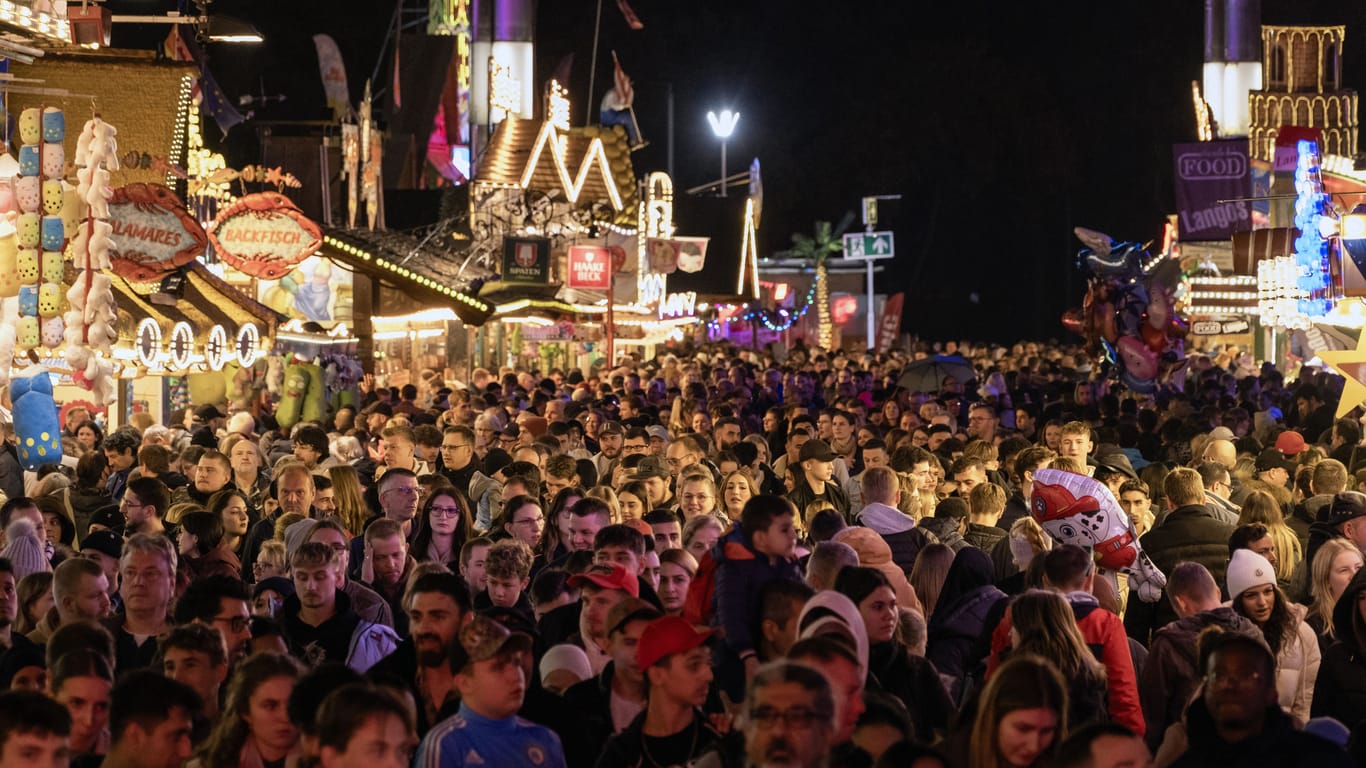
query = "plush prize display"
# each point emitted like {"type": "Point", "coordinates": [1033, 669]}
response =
{"type": "Point", "coordinates": [40, 230]}
{"type": "Point", "coordinates": [91, 318]}
{"type": "Point", "coordinates": [36, 424]}
{"type": "Point", "coordinates": [1076, 509]}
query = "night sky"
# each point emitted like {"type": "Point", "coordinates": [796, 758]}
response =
{"type": "Point", "coordinates": [1002, 125]}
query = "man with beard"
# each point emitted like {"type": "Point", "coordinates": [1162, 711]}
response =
{"type": "Point", "coordinates": [213, 473]}
{"type": "Point", "coordinates": [611, 439]}
{"type": "Point", "coordinates": [672, 730]}
{"type": "Point", "coordinates": [458, 460]}
{"type": "Point", "coordinates": [789, 717]}
{"type": "Point", "coordinates": [144, 506]}
{"type": "Point", "coordinates": [438, 606]}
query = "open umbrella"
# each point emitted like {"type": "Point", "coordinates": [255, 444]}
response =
{"type": "Point", "coordinates": [928, 375]}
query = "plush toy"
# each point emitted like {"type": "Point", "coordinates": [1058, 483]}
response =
{"type": "Point", "coordinates": [36, 426]}
{"type": "Point", "coordinates": [30, 229]}
{"type": "Point", "coordinates": [53, 234]}
{"type": "Point", "coordinates": [290, 410]}
{"type": "Point", "coordinates": [52, 331]}
{"type": "Point", "coordinates": [1076, 509]}
{"type": "Point", "coordinates": [28, 193]}
{"type": "Point", "coordinates": [54, 124]}
{"type": "Point", "coordinates": [28, 300]}
{"type": "Point", "coordinates": [316, 398]}
{"type": "Point", "coordinates": [206, 387]}
{"type": "Point", "coordinates": [53, 200]}
{"type": "Point", "coordinates": [9, 260]}
{"type": "Point", "coordinates": [7, 343]}
{"type": "Point", "coordinates": [53, 269]}
{"type": "Point", "coordinates": [27, 266]}
{"type": "Point", "coordinates": [31, 125]}
{"type": "Point", "coordinates": [275, 374]}
{"type": "Point", "coordinates": [49, 300]}
{"type": "Point", "coordinates": [53, 161]}
{"type": "Point", "coordinates": [28, 333]}
{"type": "Point", "coordinates": [28, 160]}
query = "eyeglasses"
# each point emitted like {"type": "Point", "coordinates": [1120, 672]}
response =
{"type": "Point", "coordinates": [235, 623]}
{"type": "Point", "coordinates": [445, 511]}
{"type": "Point", "coordinates": [454, 447]}
{"type": "Point", "coordinates": [797, 718]}
{"type": "Point", "coordinates": [538, 520]}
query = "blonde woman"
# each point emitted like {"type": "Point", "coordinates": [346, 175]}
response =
{"type": "Point", "coordinates": [737, 489]}
{"type": "Point", "coordinates": [606, 495]}
{"type": "Point", "coordinates": [1262, 507]}
{"type": "Point", "coordinates": [1335, 563]}
{"type": "Point", "coordinates": [349, 497]}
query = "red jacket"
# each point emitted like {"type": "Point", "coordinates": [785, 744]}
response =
{"type": "Point", "coordinates": [1104, 633]}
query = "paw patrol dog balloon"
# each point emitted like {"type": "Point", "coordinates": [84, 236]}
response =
{"type": "Point", "coordinates": [1076, 509]}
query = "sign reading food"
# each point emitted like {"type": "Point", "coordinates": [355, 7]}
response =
{"type": "Point", "coordinates": [264, 235]}
{"type": "Point", "coordinates": [151, 233]}
{"type": "Point", "coordinates": [590, 267]}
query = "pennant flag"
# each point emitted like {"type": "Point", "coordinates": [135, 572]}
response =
{"type": "Point", "coordinates": [632, 20]}
{"type": "Point", "coordinates": [561, 73]}
{"type": "Point", "coordinates": [212, 101]}
{"type": "Point", "coordinates": [398, 96]}
{"type": "Point", "coordinates": [626, 95]}
{"type": "Point", "coordinates": [333, 71]}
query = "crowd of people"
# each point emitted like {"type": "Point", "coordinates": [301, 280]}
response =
{"type": "Point", "coordinates": [707, 558]}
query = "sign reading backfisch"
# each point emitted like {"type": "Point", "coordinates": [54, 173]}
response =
{"type": "Point", "coordinates": [264, 235]}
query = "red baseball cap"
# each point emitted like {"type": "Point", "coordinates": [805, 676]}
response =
{"type": "Point", "coordinates": [667, 636]}
{"type": "Point", "coordinates": [1290, 443]}
{"type": "Point", "coordinates": [607, 577]}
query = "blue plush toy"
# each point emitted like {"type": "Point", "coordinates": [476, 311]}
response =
{"type": "Point", "coordinates": [36, 425]}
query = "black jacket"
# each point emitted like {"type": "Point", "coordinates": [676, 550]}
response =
{"type": "Point", "coordinates": [984, 537]}
{"type": "Point", "coordinates": [1188, 534]}
{"type": "Point", "coordinates": [1279, 744]}
{"type": "Point", "coordinates": [1340, 691]}
{"type": "Point", "coordinates": [945, 529]}
{"type": "Point", "coordinates": [803, 495]}
{"type": "Point", "coordinates": [627, 749]}
{"type": "Point", "coordinates": [591, 703]}
{"type": "Point", "coordinates": [914, 680]}
{"type": "Point", "coordinates": [329, 641]}
{"type": "Point", "coordinates": [400, 669]}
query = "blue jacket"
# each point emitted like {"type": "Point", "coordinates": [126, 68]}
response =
{"type": "Point", "coordinates": [741, 572]}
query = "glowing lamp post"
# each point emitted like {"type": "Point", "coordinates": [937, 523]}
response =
{"type": "Point", "coordinates": [723, 125]}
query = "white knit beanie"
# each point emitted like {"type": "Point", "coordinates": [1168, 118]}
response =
{"type": "Point", "coordinates": [567, 657]}
{"type": "Point", "coordinates": [24, 548]}
{"type": "Point", "coordinates": [1246, 570]}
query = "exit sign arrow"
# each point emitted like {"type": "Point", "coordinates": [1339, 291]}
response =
{"type": "Point", "coordinates": [869, 245]}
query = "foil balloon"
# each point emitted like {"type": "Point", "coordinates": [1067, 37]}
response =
{"type": "Point", "coordinates": [1072, 321]}
{"type": "Point", "coordinates": [1075, 509]}
{"type": "Point", "coordinates": [1138, 359]}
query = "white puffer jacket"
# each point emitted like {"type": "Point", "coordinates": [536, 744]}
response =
{"type": "Point", "coordinates": [1297, 666]}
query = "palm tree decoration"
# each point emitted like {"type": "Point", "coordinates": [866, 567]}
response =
{"type": "Point", "coordinates": [825, 243]}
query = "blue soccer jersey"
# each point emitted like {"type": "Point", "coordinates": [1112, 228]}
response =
{"type": "Point", "coordinates": [468, 739]}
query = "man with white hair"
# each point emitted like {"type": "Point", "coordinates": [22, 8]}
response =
{"type": "Point", "coordinates": [242, 423]}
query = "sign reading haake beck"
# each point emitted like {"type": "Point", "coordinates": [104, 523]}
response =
{"type": "Point", "coordinates": [1207, 172]}
{"type": "Point", "coordinates": [590, 267]}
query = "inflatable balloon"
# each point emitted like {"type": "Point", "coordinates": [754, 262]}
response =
{"type": "Point", "coordinates": [36, 425]}
{"type": "Point", "coordinates": [297, 381]}
{"type": "Point", "coordinates": [1076, 509]}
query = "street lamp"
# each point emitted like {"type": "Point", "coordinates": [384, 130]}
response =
{"type": "Point", "coordinates": [723, 125]}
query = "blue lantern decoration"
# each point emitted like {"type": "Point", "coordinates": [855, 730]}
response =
{"type": "Point", "coordinates": [1315, 295]}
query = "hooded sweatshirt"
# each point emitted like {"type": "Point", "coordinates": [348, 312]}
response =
{"type": "Point", "coordinates": [967, 605]}
{"type": "Point", "coordinates": [1172, 674]}
{"type": "Point", "coordinates": [873, 552]}
{"type": "Point", "coordinates": [904, 538]}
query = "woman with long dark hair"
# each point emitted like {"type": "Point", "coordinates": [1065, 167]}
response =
{"type": "Point", "coordinates": [912, 679]}
{"type": "Point", "coordinates": [1251, 582]}
{"type": "Point", "coordinates": [443, 527]}
{"type": "Point", "coordinates": [555, 535]}
{"type": "Point", "coordinates": [254, 729]}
